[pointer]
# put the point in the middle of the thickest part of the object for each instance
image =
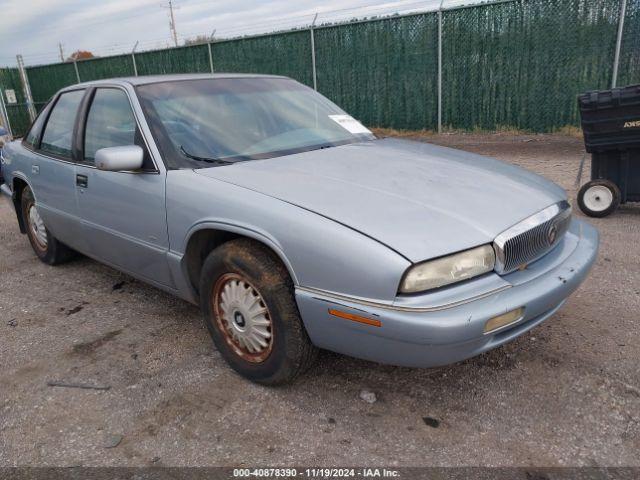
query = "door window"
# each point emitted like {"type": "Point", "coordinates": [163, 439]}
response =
{"type": "Point", "coordinates": [111, 123]}
{"type": "Point", "coordinates": [58, 133]}
{"type": "Point", "coordinates": [33, 134]}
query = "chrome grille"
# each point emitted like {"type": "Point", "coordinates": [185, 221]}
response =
{"type": "Point", "coordinates": [532, 238]}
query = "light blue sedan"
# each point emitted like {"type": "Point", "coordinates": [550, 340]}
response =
{"type": "Point", "coordinates": [293, 226]}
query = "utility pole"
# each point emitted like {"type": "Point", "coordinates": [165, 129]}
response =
{"type": "Point", "coordinates": [61, 52]}
{"type": "Point", "coordinates": [172, 23]}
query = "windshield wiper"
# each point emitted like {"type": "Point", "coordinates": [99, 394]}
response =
{"type": "Point", "coordinates": [219, 161]}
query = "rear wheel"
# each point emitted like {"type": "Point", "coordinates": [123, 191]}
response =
{"type": "Point", "coordinates": [250, 311]}
{"type": "Point", "coordinates": [48, 249]}
{"type": "Point", "coordinates": [599, 198]}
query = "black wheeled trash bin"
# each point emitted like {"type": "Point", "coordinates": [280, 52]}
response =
{"type": "Point", "coordinates": [611, 127]}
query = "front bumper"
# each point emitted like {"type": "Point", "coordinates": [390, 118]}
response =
{"type": "Point", "coordinates": [434, 336]}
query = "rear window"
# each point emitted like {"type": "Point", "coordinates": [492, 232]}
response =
{"type": "Point", "coordinates": [33, 134]}
{"type": "Point", "coordinates": [58, 133]}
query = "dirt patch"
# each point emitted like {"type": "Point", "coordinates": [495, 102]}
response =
{"type": "Point", "coordinates": [89, 348]}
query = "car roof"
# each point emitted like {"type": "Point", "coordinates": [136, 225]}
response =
{"type": "Point", "coordinates": [146, 79]}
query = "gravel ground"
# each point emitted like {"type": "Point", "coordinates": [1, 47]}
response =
{"type": "Point", "coordinates": [567, 393]}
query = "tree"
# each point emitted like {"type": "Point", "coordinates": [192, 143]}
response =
{"type": "Point", "coordinates": [197, 40]}
{"type": "Point", "coordinates": [80, 55]}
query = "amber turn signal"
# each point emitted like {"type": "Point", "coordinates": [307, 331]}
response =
{"type": "Point", "coordinates": [355, 318]}
{"type": "Point", "coordinates": [503, 320]}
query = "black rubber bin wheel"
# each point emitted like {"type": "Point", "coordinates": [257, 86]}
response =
{"type": "Point", "coordinates": [599, 198]}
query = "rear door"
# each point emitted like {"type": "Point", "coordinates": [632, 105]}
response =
{"type": "Point", "coordinates": [123, 213]}
{"type": "Point", "coordinates": [51, 171]}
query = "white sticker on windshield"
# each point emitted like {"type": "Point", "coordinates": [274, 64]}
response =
{"type": "Point", "coordinates": [349, 123]}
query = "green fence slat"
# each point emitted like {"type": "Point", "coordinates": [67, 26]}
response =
{"type": "Point", "coordinates": [629, 69]}
{"type": "Point", "coordinates": [46, 80]}
{"type": "Point", "coordinates": [108, 67]}
{"type": "Point", "coordinates": [522, 64]}
{"type": "Point", "coordinates": [384, 72]}
{"type": "Point", "coordinates": [18, 113]}
{"type": "Point", "coordinates": [287, 54]}
{"type": "Point", "coordinates": [19, 118]}
{"type": "Point", "coordinates": [192, 59]}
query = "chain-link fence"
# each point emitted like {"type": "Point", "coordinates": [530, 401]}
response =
{"type": "Point", "coordinates": [14, 113]}
{"type": "Point", "coordinates": [521, 64]}
{"type": "Point", "coordinates": [508, 64]}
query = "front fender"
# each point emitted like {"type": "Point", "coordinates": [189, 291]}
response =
{"type": "Point", "coordinates": [318, 252]}
{"type": "Point", "coordinates": [245, 231]}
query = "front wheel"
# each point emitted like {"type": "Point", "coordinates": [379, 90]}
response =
{"type": "Point", "coordinates": [250, 311]}
{"type": "Point", "coordinates": [48, 249]}
{"type": "Point", "coordinates": [599, 198]}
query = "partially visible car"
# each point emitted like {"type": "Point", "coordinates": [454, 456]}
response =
{"type": "Point", "coordinates": [4, 138]}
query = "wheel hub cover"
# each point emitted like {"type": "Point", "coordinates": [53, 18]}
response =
{"type": "Point", "coordinates": [243, 318]}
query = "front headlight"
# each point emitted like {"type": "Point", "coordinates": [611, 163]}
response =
{"type": "Point", "coordinates": [447, 270]}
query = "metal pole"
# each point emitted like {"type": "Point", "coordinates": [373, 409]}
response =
{"type": "Point", "coordinates": [313, 54]}
{"type": "Point", "coordinates": [440, 68]}
{"type": "Point", "coordinates": [209, 49]}
{"type": "Point", "coordinates": [133, 58]}
{"type": "Point", "coordinates": [5, 115]}
{"type": "Point", "coordinates": [61, 52]}
{"type": "Point", "coordinates": [26, 88]}
{"type": "Point", "coordinates": [616, 60]}
{"type": "Point", "coordinates": [75, 66]}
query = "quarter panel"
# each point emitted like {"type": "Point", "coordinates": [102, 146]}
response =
{"type": "Point", "coordinates": [321, 253]}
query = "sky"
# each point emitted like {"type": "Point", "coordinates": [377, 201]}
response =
{"type": "Point", "coordinates": [34, 28]}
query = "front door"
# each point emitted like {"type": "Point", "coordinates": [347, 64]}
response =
{"type": "Point", "coordinates": [123, 213]}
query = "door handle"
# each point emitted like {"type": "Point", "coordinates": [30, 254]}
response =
{"type": "Point", "coordinates": [82, 181]}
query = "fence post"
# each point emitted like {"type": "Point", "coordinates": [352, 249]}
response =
{"type": "Point", "coordinates": [26, 88]}
{"type": "Point", "coordinates": [210, 57]}
{"type": "Point", "coordinates": [75, 66]}
{"type": "Point", "coordinates": [133, 59]}
{"type": "Point", "coordinates": [5, 114]}
{"type": "Point", "coordinates": [313, 54]}
{"type": "Point", "coordinates": [440, 67]}
{"type": "Point", "coordinates": [211, 38]}
{"type": "Point", "coordinates": [616, 60]}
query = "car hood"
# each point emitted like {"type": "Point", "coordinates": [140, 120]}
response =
{"type": "Point", "coordinates": [421, 200]}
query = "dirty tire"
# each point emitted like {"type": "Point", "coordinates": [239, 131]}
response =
{"type": "Point", "coordinates": [51, 252]}
{"type": "Point", "coordinates": [599, 198]}
{"type": "Point", "coordinates": [290, 352]}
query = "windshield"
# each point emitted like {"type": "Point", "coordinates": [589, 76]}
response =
{"type": "Point", "coordinates": [197, 123]}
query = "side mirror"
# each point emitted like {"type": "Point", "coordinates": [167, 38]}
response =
{"type": "Point", "coordinates": [3, 132]}
{"type": "Point", "coordinates": [118, 159]}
